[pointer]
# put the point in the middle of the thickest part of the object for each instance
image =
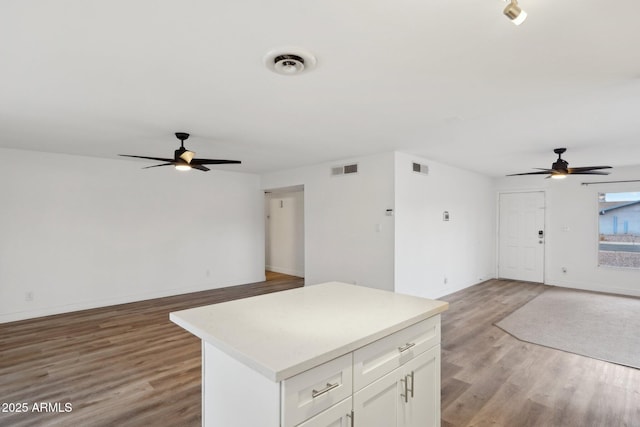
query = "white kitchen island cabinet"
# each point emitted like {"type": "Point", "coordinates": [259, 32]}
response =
{"type": "Point", "coordinates": [328, 355]}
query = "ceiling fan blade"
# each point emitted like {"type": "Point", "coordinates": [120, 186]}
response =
{"type": "Point", "coordinates": [589, 173]}
{"type": "Point", "coordinates": [160, 159]}
{"type": "Point", "coordinates": [213, 162]}
{"type": "Point", "coordinates": [587, 168]}
{"type": "Point", "coordinates": [200, 167]}
{"type": "Point", "coordinates": [155, 166]}
{"type": "Point", "coordinates": [543, 172]}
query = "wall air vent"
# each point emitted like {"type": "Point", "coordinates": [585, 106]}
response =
{"type": "Point", "coordinates": [344, 170]}
{"type": "Point", "coordinates": [417, 167]}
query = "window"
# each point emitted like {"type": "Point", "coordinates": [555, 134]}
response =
{"type": "Point", "coordinates": [619, 224]}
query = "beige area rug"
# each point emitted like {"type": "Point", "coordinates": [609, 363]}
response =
{"type": "Point", "coordinates": [601, 326]}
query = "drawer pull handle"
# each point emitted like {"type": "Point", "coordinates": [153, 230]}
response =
{"type": "Point", "coordinates": [328, 388]}
{"type": "Point", "coordinates": [406, 347]}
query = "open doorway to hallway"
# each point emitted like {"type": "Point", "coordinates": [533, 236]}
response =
{"type": "Point", "coordinates": [284, 233]}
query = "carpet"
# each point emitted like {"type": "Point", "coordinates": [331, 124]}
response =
{"type": "Point", "coordinates": [596, 325]}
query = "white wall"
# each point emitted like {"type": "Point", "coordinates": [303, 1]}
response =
{"type": "Point", "coordinates": [83, 232]}
{"type": "Point", "coordinates": [428, 249]}
{"type": "Point", "coordinates": [284, 249]}
{"type": "Point", "coordinates": [342, 217]}
{"type": "Point", "coordinates": [572, 230]}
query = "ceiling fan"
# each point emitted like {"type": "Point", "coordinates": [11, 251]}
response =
{"type": "Point", "coordinates": [184, 159]}
{"type": "Point", "coordinates": [560, 168]}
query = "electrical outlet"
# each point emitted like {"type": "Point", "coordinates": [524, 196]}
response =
{"type": "Point", "coordinates": [564, 269]}
{"type": "Point", "coordinates": [28, 296]}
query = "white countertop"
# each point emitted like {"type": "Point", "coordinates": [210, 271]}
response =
{"type": "Point", "coordinates": [284, 333]}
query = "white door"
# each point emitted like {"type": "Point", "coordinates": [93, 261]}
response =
{"type": "Point", "coordinates": [376, 405]}
{"type": "Point", "coordinates": [521, 236]}
{"type": "Point", "coordinates": [422, 376]}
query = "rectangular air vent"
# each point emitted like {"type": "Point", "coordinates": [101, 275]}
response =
{"type": "Point", "coordinates": [344, 170]}
{"type": "Point", "coordinates": [417, 167]}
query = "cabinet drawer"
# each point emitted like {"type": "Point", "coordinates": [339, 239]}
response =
{"type": "Point", "coordinates": [383, 356]}
{"type": "Point", "coordinates": [337, 416]}
{"type": "Point", "coordinates": [317, 389]}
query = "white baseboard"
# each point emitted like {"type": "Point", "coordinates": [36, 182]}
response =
{"type": "Point", "coordinates": [106, 302]}
{"type": "Point", "coordinates": [595, 288]}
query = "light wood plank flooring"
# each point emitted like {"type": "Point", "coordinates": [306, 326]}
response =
{"type": "Point", "coordinates": [127, 365]}
{"type": "Point", "coordinates": [490, 378]}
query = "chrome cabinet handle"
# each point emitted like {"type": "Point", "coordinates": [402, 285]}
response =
{"type": "Point", "coordinates": [350, 416]}
{"type": "Point", "coordinates": [315, 393]}
{"type": "Point", "coordinates": [411, 390]}
{"type": "Point", "coordinates": [406, 389]}
{"type": "Point", "coordinates": [406, 347]}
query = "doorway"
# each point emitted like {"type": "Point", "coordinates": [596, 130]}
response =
{"type": "Point", "coordinates": [284, 232]}
{"type": "Point", "coordinates": [521, 236]}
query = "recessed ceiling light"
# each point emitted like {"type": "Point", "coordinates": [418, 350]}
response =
{"type": "Point", "coordinates": [289, 61]}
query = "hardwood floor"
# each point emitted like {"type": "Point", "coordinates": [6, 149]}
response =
{"type": "Point", "coordinates": [128, 365]}
{"type": "Point", "coordinates": [124, 365]}
{"type": "Point", "coordinates": [492, 378]}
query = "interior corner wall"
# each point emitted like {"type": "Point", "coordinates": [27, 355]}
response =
{"type": "Point", "coordinates": [434, 257]}
{"type": "Point", "coordinates": [284, 245]}
{"type": "Point", "coordinates": [572, 230]}
{"type": "Point", "coordinates": [348, 236]}
{"type": "Point", "coordinates": [80, 232]}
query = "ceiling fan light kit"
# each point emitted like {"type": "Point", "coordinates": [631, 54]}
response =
{"type": "Point", "coordinates": [515, 13]}
{"type": "Point", "coordinates": [183, 159]}
{"type": "Point", "coordinates": [560, 168]}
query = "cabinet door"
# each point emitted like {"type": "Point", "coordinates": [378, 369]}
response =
{"type": "Point", "coordinates": [376, 405]}
{"type": "Point", "coordinates": [422, 408]}
{"type": "Point", "coordinates": [338, 415]}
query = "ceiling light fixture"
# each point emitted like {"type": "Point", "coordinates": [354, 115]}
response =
{"type": "Point", "coordinates": [558, 175]}
{"type": "Point", "coordinates": [515, 13]}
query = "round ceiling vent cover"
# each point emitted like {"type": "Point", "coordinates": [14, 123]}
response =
{"type": "Point", "coordinates": [289, 62]}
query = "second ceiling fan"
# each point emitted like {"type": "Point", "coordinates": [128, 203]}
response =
{"type": "Point", "coordinates": [560, 168]}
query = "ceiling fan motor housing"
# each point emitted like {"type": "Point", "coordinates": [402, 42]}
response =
{"type": "Point", "coordinates": [182, 136]}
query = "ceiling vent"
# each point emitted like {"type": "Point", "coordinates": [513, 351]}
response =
{"type": "Point", "coordinates": [344, 170]}
{"type": "Point", "coordinates": [423, 169]}
{"type": "Point", "coordinates": [289, 61]}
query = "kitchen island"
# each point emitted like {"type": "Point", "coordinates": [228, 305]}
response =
{"type": "Point", "coordinates": [332, 354]}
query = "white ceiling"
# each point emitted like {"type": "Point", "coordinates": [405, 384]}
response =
{"type": "Point", "coordinates": [451, 80]}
